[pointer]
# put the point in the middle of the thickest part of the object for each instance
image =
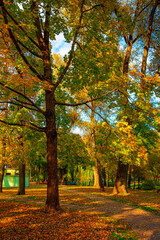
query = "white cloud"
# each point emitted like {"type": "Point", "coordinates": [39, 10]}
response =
{"type": "Point", "coordinates": [77, 130]}
{"type": "Point", "coordinates": [60, 46]}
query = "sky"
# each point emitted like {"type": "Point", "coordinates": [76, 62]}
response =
{"type": "Point", "coordinates": [60, 46]}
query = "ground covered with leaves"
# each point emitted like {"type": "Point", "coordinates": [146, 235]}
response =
{"type": "Point", "coordinates": [147, 200]}
{"type": "Point", "coordinates": [23, 217]}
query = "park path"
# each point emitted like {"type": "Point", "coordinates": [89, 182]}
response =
{"type": "Point", "coordinates": [145, 224]}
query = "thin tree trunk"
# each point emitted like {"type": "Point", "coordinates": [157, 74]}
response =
{"type": "Point", "coordinates": [104, 176]}
{"type": "Point", "coordinates": [107, 179]}
{"type": "Point", "coordinates": [3, 155]}
{"type": "Point", "coordinates": [138, 181]}
{"type": "Point", "coordinates": [129, 178]}
{"type": "Point", "coordinates": [52, 202]}
{"type": "Point", "coordinates": [134, 187]}
{"type": "Point", "coordinates": [21, 190]}
{"type": "Point", "coordinates": [1, 176]}
{"type": "Point", "coordinates": [100, 176]}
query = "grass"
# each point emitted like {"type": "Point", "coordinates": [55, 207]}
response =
{"type": "Point", "coordinates": [22, 220]}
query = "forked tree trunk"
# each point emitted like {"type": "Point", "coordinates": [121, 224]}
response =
{"type": "Point", "coordinates": [121, 179]}
{"type": "Point", "coordinates": [21, 190]}
{"type": "Point", "coordinates": [52, 202]}
{"type": "Point", "coordinates": [1, 176]}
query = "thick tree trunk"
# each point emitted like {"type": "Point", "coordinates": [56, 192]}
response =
{"type": "Point", "coordinates": [52, 202]}
{"type": "Point", "coordinates": [1, 176]}
{"type": "Point", "coordinates": [96, 177]}
{"type": "Point", "coordinates": [121, 179]}
{"type": "Point", "coordinates": [21, 190]}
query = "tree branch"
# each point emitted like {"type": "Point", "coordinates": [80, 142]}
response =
{"type": "Point", "coordinates": [136, 38]}
{"type": "Point", "coordinates": [36, 128]}
{"type": "Point", "coordinates": [98, 115]}
{"type": "Point", "coordinates": [24, 96]}
{"type": "Point", "coordinates": [29, 50]}
{"type": "Point", "coordinates": [2, 5]}
{"type": "Point", "coordinates": [98, 5]}
{"type": "Point", "coordinates": [16, 43]}
{"type": "Point", "coordinates": [143, 9]}
{"type": "Point", "coordinates": [37, 24]}
{"type": "Point", "coordinates": [20, 105]}
{"type": "Point", "coordinates": [46, 25]}
{"type": "Point", "coordinates": [87, 101]}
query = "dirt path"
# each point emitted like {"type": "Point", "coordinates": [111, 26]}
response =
{"type": "Point", "coordinates": [145, 224]}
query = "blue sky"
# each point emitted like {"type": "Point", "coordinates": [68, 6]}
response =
{"type": "Point", "coordinates": [60, 46]}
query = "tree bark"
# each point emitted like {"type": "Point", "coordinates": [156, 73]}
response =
{"type": "Point", "coordinates": [129, 177]}
{"type": "Point", "coordinates": [107, 179]}
{"type": "Point", "coordinates": [96, 177]}
{"type": "Point", "coordinates": [98, 182]}
{"type": "Point", "coordinates": [121, 179]}
{"type": "Point", "coordinates": [52, 202]}
{"type": "Point", "coordinates": [21, 190]}
{"type": "Point", "coordinates": [1, 176]}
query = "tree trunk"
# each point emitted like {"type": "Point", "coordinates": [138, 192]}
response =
{"type": "Point", "coordinates": [52, 202]}
{"type": "Point", "coordinates": [21, 190]}
{"type": "Point", "coordinates": [129, 178]}
{"type": "Point", "coordinates": [138, 182]}
{"type": "Point", "coordinates": [1, 176]}
{"type": "Point", "coordinates": [107, 179]}
{"type": "Point", "coordinates": [98, 182]}
{"type": "Point", "coordinates": [104, 176]}
{"type": "Point", "coordinates": [147, 45]}
{"type": "Point", "coordinates": [121, 179]}
{"type": "Point", "coordinates": [96, 177]}
{"type": "Point", "coordinates": [100, 176]}
{"type": "Point", "coordinates": [134, 186]}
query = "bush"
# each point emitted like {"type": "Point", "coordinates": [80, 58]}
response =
{"type": "Point", "coordinates": [148, 185]}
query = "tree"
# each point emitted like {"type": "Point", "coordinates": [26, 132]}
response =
{"type": "Point", "coordinates": [133, 33]}
{"type": "Point", "coordinates": [37, 23]}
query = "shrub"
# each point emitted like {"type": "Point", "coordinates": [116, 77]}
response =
{"type": "Point", "coordinates": [148, 185]}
